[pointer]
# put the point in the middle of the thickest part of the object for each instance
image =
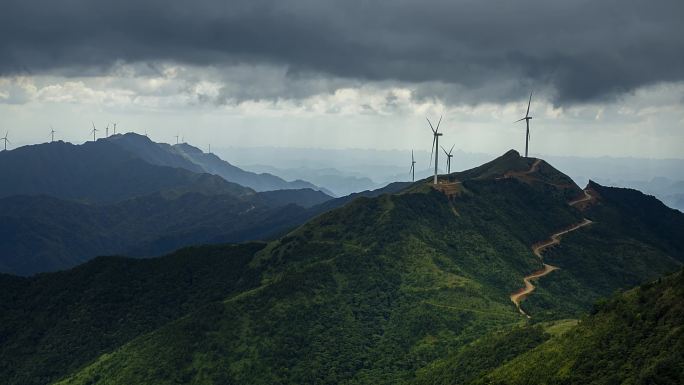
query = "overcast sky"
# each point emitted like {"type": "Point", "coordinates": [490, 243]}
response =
{"type": "Point", "coordinates": [608, 76]}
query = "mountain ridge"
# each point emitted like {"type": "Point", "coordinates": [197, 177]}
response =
{"type": "Point", "coordinates": [98, 172]}
{"type": "Point", "coordinates": [185, 156]}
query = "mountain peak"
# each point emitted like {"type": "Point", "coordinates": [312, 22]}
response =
{"type": "Point", "coordinates": [535, 171]}
{"type": "Point", "coordinates": [511, 153]}
{"type": "Point", "coordinates": [187, 148]}
{"type": "Point", "coordinates": [509, 162]}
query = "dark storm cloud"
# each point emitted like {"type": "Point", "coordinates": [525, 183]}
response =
{"type": "Point", "coordinates": [580, 50]}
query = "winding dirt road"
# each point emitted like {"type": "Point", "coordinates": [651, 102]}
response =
{"type": "Point", "coordinates": [539, 248]}
{"type": "Point", "coordinates": [587, 197]}
{"type": "Point", "coordinates": [529, 287]}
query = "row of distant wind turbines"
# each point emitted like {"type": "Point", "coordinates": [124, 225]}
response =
{"type": "Point", "coordinates": [435, 144]}
{"type": "Point", "coordinates": [94, 131]}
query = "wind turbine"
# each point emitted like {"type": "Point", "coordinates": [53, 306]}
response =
{"type": "Point", "coordinates": [6, 140]}
{"type": "Point", "coordinates": [177, 136]}
{"type": "Point", "coordinates": [107, 131]}
{"type": "Point", "coordinates": [114, 128]}
{"type": "Point", "coordinates": [52, 134]}
{"type": "Point", "coordinates": [449, 156]}
{"type": "Point", "coordinates": [435, 144]}
{"type": "Point", "coordinates": [413, 168]}
{"type": "Point", "coordinates": [94, 131]}
{"type": "Point", "coordinates": [527, 121]}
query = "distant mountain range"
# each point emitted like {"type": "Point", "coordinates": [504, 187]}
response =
{"type": "Point", "coordinates": [99, 172]}
{"type": "Point", "coordinates": [333, 180]}
{"type": "Point", "coordinates": [193, 159]}
{"type": "Point", "coordinates": [409, 286]}
{"type": "Point", "coordinates": [62, 204]}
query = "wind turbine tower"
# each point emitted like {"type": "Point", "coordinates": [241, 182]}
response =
{"type": "Point", "coordinates": [114, 128]}
{"type": "Point", "coordinates": [94, 131]}
{"type": "Point", "coordinates": [6, 140]}
{"type": "Point", "coordinates": [449, 156]}
{"type": "Point", "coordinates": [413, 168]}
{"type": "Point", "coordinates": [435, 144]}
{"type": "Point", "coordinates": [177, 136]}
{"type": "Point", "coordinates": [107, 131]}
{"type": "Point", "coordinates": [52, 134]}
{"type": "Point", "coordinates": [527, 119]}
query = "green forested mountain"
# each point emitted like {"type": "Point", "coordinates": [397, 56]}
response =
{"type": "Point", "coordinates": [54, 323]}
{"type": "Point", "coordinates": [408, 287]}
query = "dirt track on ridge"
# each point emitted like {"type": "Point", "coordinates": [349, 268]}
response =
{"type": "Point", "coordinates": [539, 248]}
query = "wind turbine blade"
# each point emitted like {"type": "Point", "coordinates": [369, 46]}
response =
{"type": "Point", "coordinates": [519, 120]}
{"type": "Point", "coordinates": [430, 123]}
{"type": "Point", "coordinates": [452, 148]}
{"type": "Point", "coordinates": [445, 151]}
{"type": "Point", "coordinates": [438, 123]}
{"type": "Point", "coordinates": [432, 149]}
{"type": "Point", "coordinates": [528, 105]}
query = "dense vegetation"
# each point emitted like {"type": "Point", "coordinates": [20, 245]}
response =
{"type": "Point", "coordinates": [410, 287]}
{"type": "Point", "coordinates": [635, 338]}
{"type": "Point", "coordinates": [39, 234]}
{"type": "Point", "coordinates": [477, 359]}
{"type": "Point", "coordinates": [52, 324]}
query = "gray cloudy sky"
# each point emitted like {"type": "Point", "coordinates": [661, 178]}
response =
{"type": "Point", "coordinates": [608, 75]}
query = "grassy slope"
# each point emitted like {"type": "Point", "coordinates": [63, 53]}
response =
{"type": "Point", "coordinates": [482, 356]}
{"type": "Point", "coordinates": [635, 338]}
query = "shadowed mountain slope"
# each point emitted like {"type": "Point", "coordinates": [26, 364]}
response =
{"type": "Point", "coordinates": [98, 172]}
{"type": "Point", "coordinates": [193, 159]}
{"type": "Point", "coordinates": [41, 233]}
